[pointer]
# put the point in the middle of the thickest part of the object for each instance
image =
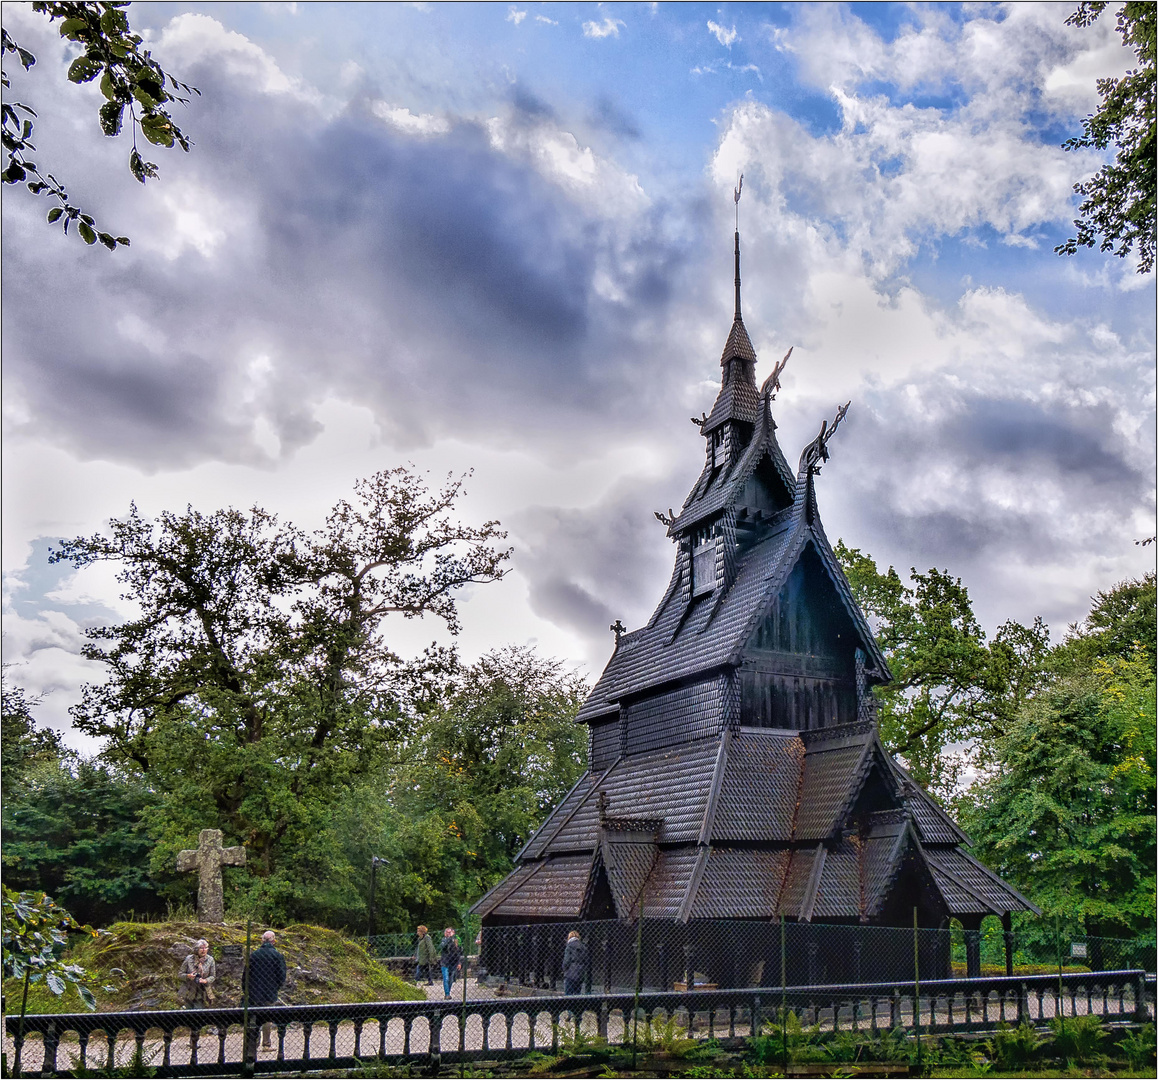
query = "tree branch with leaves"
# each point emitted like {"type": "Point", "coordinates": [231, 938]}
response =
{"type": "Point", "coordinates": [1118, 212]}
{"type": "Point", "coordinates": [131, 81]}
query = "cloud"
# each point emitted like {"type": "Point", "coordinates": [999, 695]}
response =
{"type": "Point", "coordinates": [609, 115]}
{"type": "Point", "coordinates": [608, 28]}
{"type": "Point", "coordinates": [894, 178]}
{"type": "Point", "coordinates": [514, 15]}
{"type": "Point", "coordinates": [415, 274]}
{"type": "Point", "coordinates": [725, 37]}
{"type": "Point", "coordinates": [546, 21]}
{"type": "Point", "coordinates": [398, 116]}
{"type": "Point", "coordinates": [376, 253]}
{"type": "Point", "coordinates": [585, 567]}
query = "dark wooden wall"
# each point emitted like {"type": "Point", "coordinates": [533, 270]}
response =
{"type": "Point", "coordinates": [798, 670]}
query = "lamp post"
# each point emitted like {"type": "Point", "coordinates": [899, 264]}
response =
{"type": "Point", "coordinates": [375, 862]}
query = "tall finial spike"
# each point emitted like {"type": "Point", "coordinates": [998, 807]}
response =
{"type": "Point", "coordinates": [736, 200]}
{"type": "Point", "coordinates": [737, 275]}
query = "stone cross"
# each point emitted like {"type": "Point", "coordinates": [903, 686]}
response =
{"type": "Point", "coordinates": [208, 860]}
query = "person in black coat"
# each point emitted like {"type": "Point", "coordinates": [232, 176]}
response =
{"type": "Point", "coordinates": [576, 961]}
{"type": "Point", "coordinates": [264, 979]}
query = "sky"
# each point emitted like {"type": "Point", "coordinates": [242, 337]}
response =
{"type": "Point", "coordinates": [499, 238]}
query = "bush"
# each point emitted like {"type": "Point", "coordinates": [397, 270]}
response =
{"type": "Point", "coordinates": [849, 1046]}
{"type": "Point", "coordinates": [1138, 1047]}
{"type": "Point", "coordinates": [1077, 1038]}
{"type": "Point", "coordinates": [804, 1044]}
{"type": "Point", "coordinates": [1013, 1047]}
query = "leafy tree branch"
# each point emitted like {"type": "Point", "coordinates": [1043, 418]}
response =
{"type": "Point", "coordinates": [131, 81]}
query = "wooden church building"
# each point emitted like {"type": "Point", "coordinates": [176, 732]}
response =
{"type": "Point", "coordinates": [735, 771]}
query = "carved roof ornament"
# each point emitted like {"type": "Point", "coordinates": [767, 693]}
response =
{"type": "Point", "coordinates": [811, 459]}
{"type": "Point", "coordinates": [772, 383]}
{"type": "Point", "coordinates": [817, 450]}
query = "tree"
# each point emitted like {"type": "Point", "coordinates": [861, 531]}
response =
{"type": "Point", "coordinates": [492, 748]}
{"type": "Point", "coordinates": [1119, 199]}
{"type": "Point", "coordinates": [1068, 815]}
{"type": "Point", "coordinates": [255, 685]}
{"type": "Point", "coordinates": [130, 80]}
{"type": "Point", "coordinates": [23, 745]}
{"type": "Point", "coordinates": [1123, 619]}
{"type": "Point", "coordinates": [73, 830]}
{"type": "Point", "coordinates": [949, 686]}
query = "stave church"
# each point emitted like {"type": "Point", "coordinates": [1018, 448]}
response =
{"type": "Point", "coordinates": [736, 778]}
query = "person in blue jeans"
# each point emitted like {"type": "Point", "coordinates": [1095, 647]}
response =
{"type": "Point", "coordinates": [450, 956]}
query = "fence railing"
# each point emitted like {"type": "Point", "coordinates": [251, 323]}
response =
{"type": "Point", "coordinates": [816, 952]}
{"type": "Point", "coordinates": [211, 1042]}
{"type": "Point", "coordinates": [662, 954]}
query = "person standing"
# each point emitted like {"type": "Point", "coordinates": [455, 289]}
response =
{"type": "Point", "coordinates": [576, 961]}
{"type": "Point", "coordinates": [450, 957]}
{"type": "Point", "coordinates": [264, 978]}
{"type": "Point", "coordinates": [198, 974]}
{"type": "Point", "coordinates": [426, 958]}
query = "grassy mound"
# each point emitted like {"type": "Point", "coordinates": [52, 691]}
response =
{"type": "Point", "coordinates": [140, 961]}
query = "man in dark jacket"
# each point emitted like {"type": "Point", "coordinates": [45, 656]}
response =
{"type": "Point", "coordinates": [264, 979]}
{"type": "Point", "coordinates": [450, 956]}
{"type": "Point", "coordinates": [576, 960]}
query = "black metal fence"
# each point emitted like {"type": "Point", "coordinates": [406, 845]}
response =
{"type": "Point", "coordinates": [212, 1042]}
{"type": "Point", "coordinates": [664, 955]}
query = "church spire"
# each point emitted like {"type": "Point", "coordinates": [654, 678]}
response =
{"type": "Point", "coordinates": [736, 200]}
{"type": "Point", "coordinates": [737, 274]}
{"type": "Point", "coordinates": [738, 401]}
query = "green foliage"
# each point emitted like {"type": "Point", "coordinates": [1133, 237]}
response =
{"type": "Point", "coordinates": [490, 755]}
{"type": "Point", "coordinates": [130, 79]}
{"type": "Point", "coordinates": [949, 686]}
{"type": "Point", "coordinates": [1122, 625]}
{"type": "Point", "coordinates": [1119, 206]}
{"type": "Point", "coordinates": [669, 1038]}
{"type": "Point", "coordinates": [1139, 1047]}
{"type": "Point", "coordinates": [803, 1044]}
{"type": "Point", "coordinates": [23, 745]}
{"type": "Point", "coordinates": [255, 689]}
{"type": "Point", "coordinates": [73, 830]}
{"type": "Point", "coordinates": [1077, 1038]}
{"type": "Point", "coordinates": [1069, 815]}
{"type": "Point", "coordinates": [35, 932]}
{"type": "Point", "coordinates": [851, 1046]}
{"type": "Point", "coordinates": [1013, 1047]}
{"type": "Point", "coordinates": [954, 1053]}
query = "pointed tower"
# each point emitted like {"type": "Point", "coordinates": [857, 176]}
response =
{"type": "Point", "coordinates": [735, 770]}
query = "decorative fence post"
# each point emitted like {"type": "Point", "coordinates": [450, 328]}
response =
{"type": "Point", "coordinates": [917, 984]}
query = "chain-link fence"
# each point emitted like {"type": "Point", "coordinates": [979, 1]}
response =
{"type": "Point", "coordinates": [610, 956]}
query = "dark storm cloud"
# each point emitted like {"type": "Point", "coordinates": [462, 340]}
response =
{"type": "Point", "coordinates": [995, 490]}
{"type": "Point", "coordinates": [529, 106]}
{"type": "Point", "coordinates": [444, 283]}
{"type": "Point", "coordinates": [609, 115]}
{"type": "Point", "coordinates": [588, 566]}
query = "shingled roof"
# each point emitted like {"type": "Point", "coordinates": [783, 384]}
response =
{"type": "Point", "coordinates": [685, 637]}
{"type": "Point", "coordinates": [692, 814]}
